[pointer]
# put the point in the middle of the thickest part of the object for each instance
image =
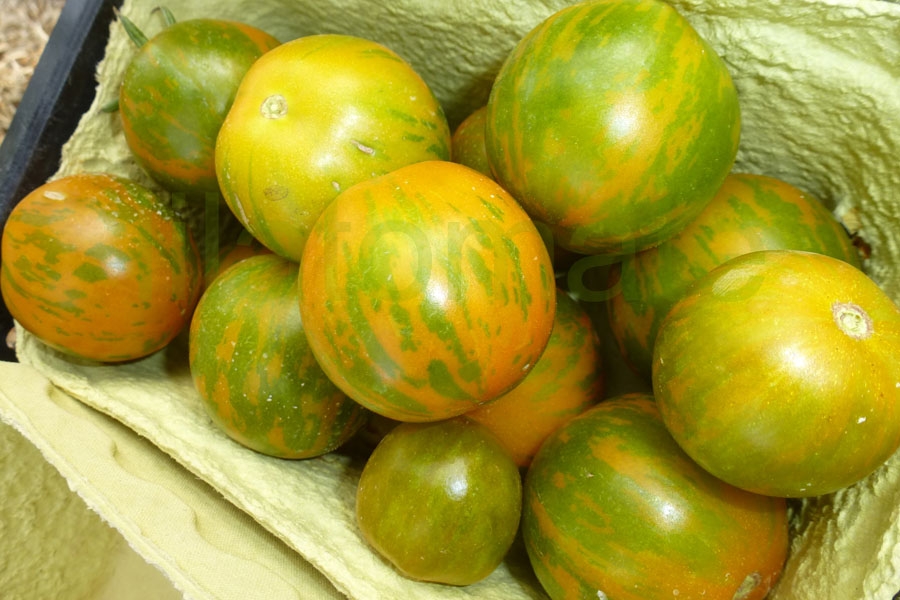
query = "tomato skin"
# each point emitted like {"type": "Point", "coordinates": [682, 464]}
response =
{"type": "Point", "coordinates": [441, 501]}
{"type": "Point", "coordinates": [310, 119]}
{"type": "Point", "coordinates": [566, 381]}
{"type": "Point", "coordinates": [175, 95]}
{"type": "Point", "coordinates": [253, 368]}
{"type": "Point", "coordinates": [777, 372]}
{"type": "Point", "coordinates": [99, 267]}
{"type": "Point", "coordinates": [467, 144]}
{"type": "Point", "coordinates": [234, 252]}
{"type": "Point", "coordinates": [748, 213]}
{"type": "Point", "coordinates": [613, 508]}
{"type": "Point", "coordinates": [426, 291]}
{"type": "Point", "coordinates": [614, 123]}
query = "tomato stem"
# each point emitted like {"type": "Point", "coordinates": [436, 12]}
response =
{"type": "Point", "coordinates": [137, 36]}
{"type": "Point", "coordinates": [852, 319]}
{"type": "Point", "coordinates": [111, 106]}
{"type": "Point", "coordinates": [167, 15]}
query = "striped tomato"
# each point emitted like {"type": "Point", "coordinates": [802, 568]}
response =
{"type": "Point", "coordinates": [468, 148]}
{"type": "Point", "coordinates": [778, 372]}
{"type": "Point", "coordinates": [99, 267]}
{"type": "Point", "coordinates": [614, 123]}
{"type": "Point", "coordinates": [175, 95]}
{"type": "Point", "coordinates": [232, 252]}
{"type": "Point", "coordinates": [253, 368]}
{"type": "Point", "coordinates": [441, 501]}
{"type": "Point", "coordinates": [748, 213]}
{"type": "Point", "coordinates": [467, 144]}
{"type": "Point", "coordinates": [614, 509]}
{"type": "Point", "coordinates": [565, 382]}
{"type": "Point", "coordinates": [426, 291]}
{"type": "Point", "coordinates": [313, 117]}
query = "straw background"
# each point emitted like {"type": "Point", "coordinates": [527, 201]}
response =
{"type": "Point", "coordinates": [25, 28]}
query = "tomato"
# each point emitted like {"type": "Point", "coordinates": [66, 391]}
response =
{"type": "Point", "coordinates": [99, 267]}
{"type": "Point", "coordinates": [467, 144]}
{"type": "Point", "coordinates": [233, 252]}
{"type": "Point", "coordinates": [567, 380]}
{"type": "Point", "coordinates": [614, 509]}
{"type": "Point", "coordinates": [426, 291]}
{"type": "Point", "coordinates": [313, 117]}
{"type": "Point", "coordinates": [252, 366]}
{"type": "Point", "coordinates": [748, 213]}
{"type": "Point", "coordinates": [778, 372]}
{"type": "Point", "coordinates": [175, 95]}
{"type": "Point", "coordinates": [614, 123]}
{"type": "Point", "coordinates": [441, 501]}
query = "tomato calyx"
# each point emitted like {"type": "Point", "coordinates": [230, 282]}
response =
{"type": "Point", "coordinates": [138, 37]}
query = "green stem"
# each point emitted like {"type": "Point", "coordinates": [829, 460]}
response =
{"type": "Point", "coordinates": [167, 15]}
{"type": "Point", "coordinates": [137, 36]}
{"type": "Point", "coordinates": [111, 106]}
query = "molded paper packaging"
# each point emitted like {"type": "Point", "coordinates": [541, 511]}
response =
{"type": "Point", "coordinates": [819, 83]}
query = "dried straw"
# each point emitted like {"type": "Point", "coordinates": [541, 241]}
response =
{"type": "Point", "coordinates": [25, 27]}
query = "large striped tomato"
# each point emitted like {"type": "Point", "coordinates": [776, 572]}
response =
{"type": "Point", "coordinates": [313, 117]}
{"type": "Point", "coordinates": [614, 123]}
{"type": "Point", "coordinates": [441, 501]}
{"type": "Point", "coordinates": [426, 291]}
{"type": "Point", "coordinates": [252, 366]}
{"type": "Point", "coordinates": [99, 267]}
{"type": "Point", "coordinates": [566, 381]}
{"type": "Point", "coordinates": [614, 509]}
{"type": "Point", "coordinates": [748, 213]}
{"type": "Point", "coordinates": [778, 372]}
{"type": "Point", "coordinates": [176, 92]}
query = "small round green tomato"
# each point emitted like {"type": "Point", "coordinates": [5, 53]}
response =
{"type": "Point", "coordinates": [176, 93]}
{"type": "Point", "coordinates": [440, 500]}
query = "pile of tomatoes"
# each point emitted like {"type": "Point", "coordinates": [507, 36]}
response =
{"type": "Point", "coordinates": [444, 294]}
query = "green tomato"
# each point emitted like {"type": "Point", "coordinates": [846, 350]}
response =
{"type": "Point", "coordinates": [441, 500]}
{"type": "Point", "coordinates": [175, 95]}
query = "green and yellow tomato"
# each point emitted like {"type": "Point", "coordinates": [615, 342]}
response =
{"type": "Point", "coordinates": [613, 508]}
{"type": "Point", "coordinates": [614, 123]}
{"type": "Point", "coordinates": [426, 292]}
{"type": "Point", "coordinates": [748, 213]}
{"type": "Point", "coordinates": [441, 501]}
{"type": "Point", "coordinates": [99, 267]}
{"type": "Point", "coordinates": [175, 95]}
{"type": "Point", "coordinates": [778, 373]}
{"type": "Point", "coordinates": [252, 366]}
{"type": "Point", "coordinates": [313, 117]}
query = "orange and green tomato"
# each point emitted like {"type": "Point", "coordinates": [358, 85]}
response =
{"type": "Point", "coordinates": [778, 373]}
{"type": "Point", "coordinates": [253, 369]}
{"type": "Point", "coordinates": [748, 213]}
{"type": "Point", "coordinates": [441, 501]}
{"type": "Point", "coordinates": [467, 144]}
{"type": "Point", "coordinates": [566, 381]}
{"type": "Point", "coordinates": [614, 123]}
{"type": "Point", "coordinates": [175, 95]}
{"type": "Point", "coordinates": [312, 118]}
{"type": "Point", "coordinates": [99, 267]}
{"type": "Point", "coordinates": [234, 252]}
{"type": "Point", "coordinates": [613, 508]}
{"type": "Point", "coordinates": [426, 291]}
